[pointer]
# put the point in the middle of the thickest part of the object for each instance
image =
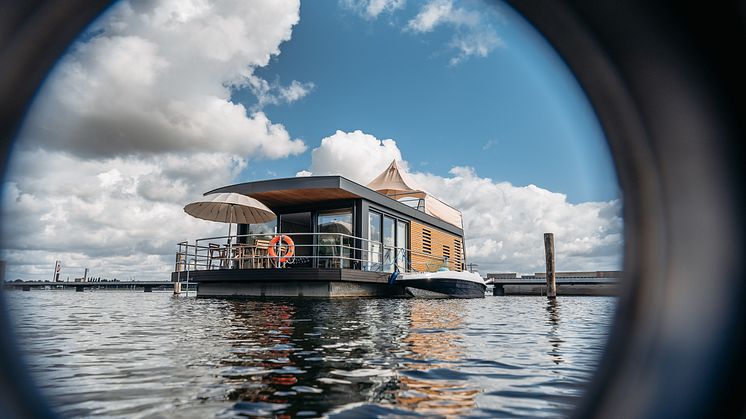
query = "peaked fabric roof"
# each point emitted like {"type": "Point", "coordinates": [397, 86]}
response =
{"type": "Point", "coordinates": [397, 184]}
{"type": "Point", "coordinates": [393, 181]}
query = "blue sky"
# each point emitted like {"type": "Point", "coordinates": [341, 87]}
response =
{"type": "Point", "coordinates": [516, 115]}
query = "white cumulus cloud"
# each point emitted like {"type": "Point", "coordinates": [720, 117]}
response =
{"type": "Point", "coordinates": [504, 224]}
{"type": "Point", "coordinates": [474, 35]}
{"type": "Point", "coordinates": [472, 24]}
{"type": "Point", "coordinates": [438, 12]}
{"type": "Point", "coordinates": [355, 155]}
{"type": "Point", "coordinates": [370, 9]}
{"type": "Point", "coordinates": [276, 94]}
{"type": "Point", "coordinates": [134, 122]}
{"type": "Point", "coordinates": [111, 215]}
{"type": "Point", "coordinates": [157, 77]}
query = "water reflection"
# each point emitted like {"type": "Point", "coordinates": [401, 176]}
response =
{"type": "Point", "coordinates": [299, 358]}
{"type": "Point", "coordinates": [178, 357]}
{"type": "Point", "coordinates": [431, 384]}
{"type": "Point", "coordinates": [293, 357]}
{"type": "Point", "coordinates": [553, 311]}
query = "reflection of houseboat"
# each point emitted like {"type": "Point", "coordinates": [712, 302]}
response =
{"type": "Point", "coordinates": [331, 238]}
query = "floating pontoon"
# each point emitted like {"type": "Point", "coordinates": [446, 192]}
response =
{"type": "Point", "coordinates": [331, 238]}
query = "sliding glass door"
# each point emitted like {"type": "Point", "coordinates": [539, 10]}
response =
{"type": "Point", "coordinates": [373, 255]}
{"type": "Point", "coordinates": [401, 246]}
{"type": "Point", "coordinates": [335, 243]}
{"type": "Point", "coordinates": [387, 243]}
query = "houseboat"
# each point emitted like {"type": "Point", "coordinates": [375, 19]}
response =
{"type": "Point", "coordinates": [332, 237]}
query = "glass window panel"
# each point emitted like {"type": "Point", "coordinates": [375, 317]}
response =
{"type": "Point", "coordinates": [389, 241]}
{"type": "Point", "coordinates": [373, 255]}
{"type": "Point", "coordinates": [401, 245]}
{"type": "Point", "coordinates": [263, 231]}
{"type": "Point", "coordinates": [335, 245]}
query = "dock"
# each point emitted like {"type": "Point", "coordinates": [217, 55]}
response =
{"type": "Point", "coordinates": [145, 286]}
{"type": "Point", "coordinates": [594, 283]}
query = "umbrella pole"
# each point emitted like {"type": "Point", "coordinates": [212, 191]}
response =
{"type": "Point", "coordinates": [230, 242]}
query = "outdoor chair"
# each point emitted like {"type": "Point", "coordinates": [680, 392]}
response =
{"type": "Point", "coordinates": [216, 251]}
{"type": "Point", "coordinates": [245, 254]}
{"type": "Point", "coordinates": [260, 256]}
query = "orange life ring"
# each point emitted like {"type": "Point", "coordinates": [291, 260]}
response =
{"type": "Point", "coordinates": [288, 241]}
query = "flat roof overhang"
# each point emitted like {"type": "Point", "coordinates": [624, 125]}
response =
{"type": "Point", "coordinates": [298, 191]}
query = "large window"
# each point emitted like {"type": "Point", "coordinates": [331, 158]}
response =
{"type": "Point", "coordinates": [263, 231]}
{"type": "Point", "coordinates": [373, 255]}
{"type": "Point", "coordinates": [387, 245]}
{"type": "Point", "coordinates": [335, 243]}
{"type": "Point", "coordinates": [401, 245]}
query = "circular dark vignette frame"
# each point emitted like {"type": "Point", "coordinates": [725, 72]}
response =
{"type": "Point", "coordinates": [665, 82]}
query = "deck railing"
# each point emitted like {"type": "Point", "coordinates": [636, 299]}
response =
{"type": "Point", "coordinates": [320, 250]}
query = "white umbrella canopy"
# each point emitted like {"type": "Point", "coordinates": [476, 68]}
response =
{"type": "Point", "coordinates": [230, 207]}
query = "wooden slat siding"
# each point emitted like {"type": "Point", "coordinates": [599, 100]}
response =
{"type": "Point", "coordinates": [458, 254]}
{"type": "Point", "coordinates": [419, 241]}
{"type": "Point", "coordinates": [427, 241]}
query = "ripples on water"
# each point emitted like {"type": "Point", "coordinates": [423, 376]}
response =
{"type": "Point", "coordinates": [135, 354]}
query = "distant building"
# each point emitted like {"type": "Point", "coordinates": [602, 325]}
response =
{"type": "Point", "coordinates": [502, 275]}
{"type": "Point", "coordinates": [543, 275]}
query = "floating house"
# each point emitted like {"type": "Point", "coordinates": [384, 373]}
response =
{"type": "Point", "coordinates": [331, 237]}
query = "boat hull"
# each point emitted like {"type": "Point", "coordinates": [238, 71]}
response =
{"type": "Point", "coordinates": [442, 288]}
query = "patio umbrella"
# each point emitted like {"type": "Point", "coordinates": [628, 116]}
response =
{"type": "Point", "coordinates": [230, 208]}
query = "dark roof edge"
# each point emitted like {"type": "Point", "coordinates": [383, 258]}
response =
{"type": "Point", "coordinates": [298, 182]}
{"type": "Point", "coordinates": [339, 182]}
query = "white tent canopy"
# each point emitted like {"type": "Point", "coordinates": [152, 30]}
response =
{"type": "Point", "coordinates": [393, 182]}
{"type": "Point", "coordinates": [397, 184]}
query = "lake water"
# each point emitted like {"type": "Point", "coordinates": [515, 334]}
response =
{"type": "Point", "coordinates": [133, 354]}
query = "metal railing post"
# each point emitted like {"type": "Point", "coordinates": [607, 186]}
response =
{"type": "Point", "coordinates": [187, 278]}
{"type": "Point", "coordinates": [195, 252]}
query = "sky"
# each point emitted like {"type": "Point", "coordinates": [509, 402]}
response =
{"type": "Point", "coordinates": [515, 114]}
{"type": "Point", "coordinates": [162, 100]}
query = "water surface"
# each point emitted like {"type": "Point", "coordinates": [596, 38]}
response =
{"type": "Point", "coordinates": [132, 354]}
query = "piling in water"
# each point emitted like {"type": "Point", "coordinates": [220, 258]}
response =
{"type": "Point", "coordinates": [549, 253]}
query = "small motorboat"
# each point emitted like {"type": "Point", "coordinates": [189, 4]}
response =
{"type": "Point", "coordinates": [442, 284]}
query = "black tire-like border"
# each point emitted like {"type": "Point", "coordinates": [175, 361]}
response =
{"type": "Point", "coordinates": [665, 79]}
{"type": "Point", "coordinates": [665, 82]}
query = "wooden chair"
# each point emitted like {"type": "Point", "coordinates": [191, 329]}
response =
{"type": "Point", "coordinates": [260, 256]}
{"type": "Point", "coordinates": [216, 251]}
{"type": "Point", "coordinates": [244, 254]}
{"type": "Point", "coordinates": [239, 254]}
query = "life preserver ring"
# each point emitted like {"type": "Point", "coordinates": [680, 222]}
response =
{"type": "Point", "coordinates": [288, 241]}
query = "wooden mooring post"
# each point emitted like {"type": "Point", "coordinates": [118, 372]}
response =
{"type": "Point", "coordinates": [549, 253]}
